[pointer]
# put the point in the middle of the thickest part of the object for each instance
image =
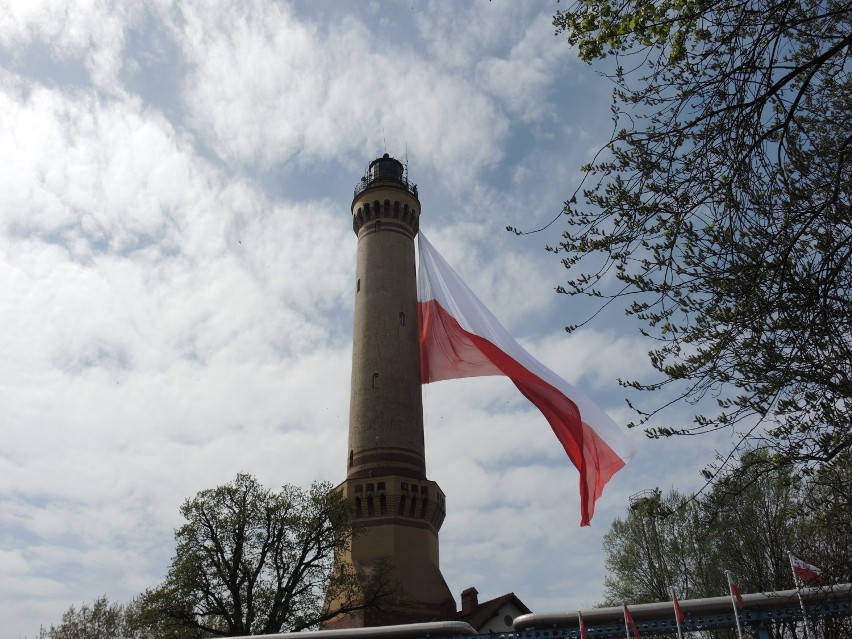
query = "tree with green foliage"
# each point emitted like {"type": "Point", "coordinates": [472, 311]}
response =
{"type": "Point", "coordinates": [100, 620]}
{"type": "Point", "coordinates": [253, 561]}
{"type": "Point", "coordinates": [688, 542]}
{"type": "Point", "coordinates": [677, 540]}
{"type": "Point", "coordinates": [720, 211]}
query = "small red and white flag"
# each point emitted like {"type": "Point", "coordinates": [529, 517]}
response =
{"type": "Point", "coordinates": [629, 626]}
{"type": "Point", "coordinates": [679, 617]}
{"type": "Point", "coordinates": [735, 591]}
{"type": "Point", "coordinates": [583, 633]}
{"type": "Point", "coordinates": [805, 572]}
{"type": "Point", "coordinates": [459, 337]}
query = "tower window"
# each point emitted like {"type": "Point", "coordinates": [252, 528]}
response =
{"type": "Point", "coordinates": [351, 458]}
{"type": "Point", "coordinates": [371, 506]}
{"type": "Point", "coordinates": [380, 485]}
{"type": "Point", "coordinates": [357, 506]}
{"type": "Point", "coordinates": [401, 318]}
{"type": "Point", "coordinates": [369, 488]}
{"type": "Point", "coordinates": [383, 505]}
{"type": "Point", "coordinates": [359, 489]}
{"type": "Point", "coordinates": [358, 286]}
{"type": "Point", "coordinates": [404, 486]}
{"type": "Point", "coordinates": [375, 380]}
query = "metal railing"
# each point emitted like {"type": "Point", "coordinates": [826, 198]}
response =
{"type": "Point", "coordinates": [366, 182]}
{"type": "Point", "coordinates": [760, 611]}
{"type": "Point", "coordinates": [432, 629]}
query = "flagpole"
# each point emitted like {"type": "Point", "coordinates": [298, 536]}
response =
{"type": "Point", "coordinates": [677, 616]}
{"type": "Point", "coordinates": [583, 633]}
{"type": "Point", "coordinates": [734, 603]}
{"type": "Point", "coordinates": [798, 583]}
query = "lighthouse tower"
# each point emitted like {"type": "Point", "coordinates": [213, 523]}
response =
{"type": "Point", "coordinates": [400, 510]}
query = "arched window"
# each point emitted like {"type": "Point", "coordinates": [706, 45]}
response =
{"type": "Point", "coordinates": [413, 508]}
{"type": "Point", "coordinates": [357, 506]}
{"type": "Point", "coordinates": [358, 286]}
{"type": "Point", "coordinates": [401, 318]}
{"type": "Point", "coordinates": [351, 458]}
{"type": "Point", "coordinates": [375, 380]}
{"type": "Point", "coordinates": [371, 506]}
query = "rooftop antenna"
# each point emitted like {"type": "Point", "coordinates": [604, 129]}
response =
{"type": "Point", "coordinates": [406, 161]}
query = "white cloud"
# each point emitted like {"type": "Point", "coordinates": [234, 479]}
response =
{"type": "Point", "coordinates": [92, 31]}
{"type": "Point", "coordinates": [523, 79]}
{"type": "Point", "coordinates": [458, 35]}
{"type": "Point", "coordinates": [163, 330]}
{"type": "Point", "coordinates": [268, 87]}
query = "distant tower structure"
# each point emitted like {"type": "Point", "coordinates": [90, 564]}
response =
{"type": "Point", "coordinates": [399, 508]}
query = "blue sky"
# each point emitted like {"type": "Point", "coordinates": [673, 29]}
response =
{"type": "Point", "coordinates": [176, 257]}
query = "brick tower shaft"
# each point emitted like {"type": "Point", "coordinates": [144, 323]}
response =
{"type": "Point", "coordinates": [400, 509]}
{"type": "Point", "coordinates": [386, 409]}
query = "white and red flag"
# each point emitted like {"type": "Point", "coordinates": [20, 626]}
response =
{"type": "Point", "coordinates": [583, 633]}
{"type": "Point", "coordinates": [679, 616]}
{"type": "Point", "coordinates": [735, 591]}
{"type": "Point", "coordinates": [459, 337]}
{"type": "Point", "coordinates": [678, 612]}
{"type": "Point", "coordinates": [629, 626]}
{"type": "Point", "coordinates": [805, 572]}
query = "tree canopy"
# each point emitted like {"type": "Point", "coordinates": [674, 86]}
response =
{"type": "Point", "coordinates": [685, 542]}
{"type": "Point", "coordinates": [719, 211]}
{"type": "Point", "coordinates": [100, 620]}
{"type": "Point", "coordinates": [253, 561]}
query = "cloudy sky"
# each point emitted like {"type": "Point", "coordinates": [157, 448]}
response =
{"type": "Point", "coordinates": [176, 263]}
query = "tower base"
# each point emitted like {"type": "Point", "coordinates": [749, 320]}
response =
{"type": "Point", "coordinates": [400, 518]}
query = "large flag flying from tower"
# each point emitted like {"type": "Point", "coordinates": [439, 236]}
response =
{"type": "Point", "coordinates": [459, 337]}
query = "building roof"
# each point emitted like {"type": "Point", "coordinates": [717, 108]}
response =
{"type": "Point", "coordinates": [487, 610]}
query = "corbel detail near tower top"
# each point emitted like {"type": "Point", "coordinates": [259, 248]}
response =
{"type": "Point", "coordinates": [384, 199]}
